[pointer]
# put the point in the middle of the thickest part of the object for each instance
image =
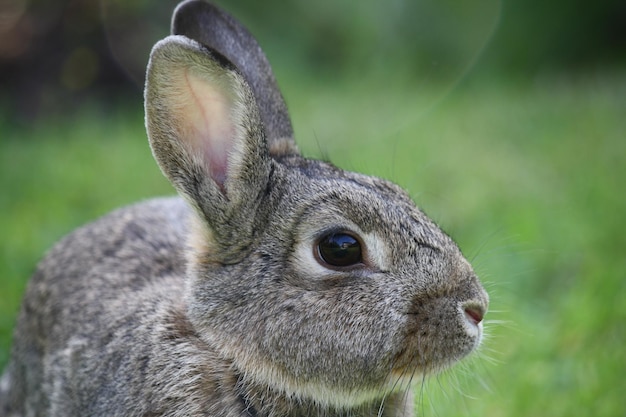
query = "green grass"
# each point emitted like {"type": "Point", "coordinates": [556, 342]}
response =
{"type": "Point", "coordinates": [529, 179]}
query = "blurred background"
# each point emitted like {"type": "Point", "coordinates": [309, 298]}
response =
{"type": "Point", "coordinates": [506, 120]}
{"type": "Point", "coordinates": [57, 53]}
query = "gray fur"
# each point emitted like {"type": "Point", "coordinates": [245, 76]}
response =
{"type": "Point", "coordinates": [216, 304]}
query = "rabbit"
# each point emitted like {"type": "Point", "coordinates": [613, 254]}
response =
{"type": "Point", "coordinates": [274, 285]}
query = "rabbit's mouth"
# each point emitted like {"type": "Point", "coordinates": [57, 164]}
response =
{"type": "Point", "coordinates": [438, 334]}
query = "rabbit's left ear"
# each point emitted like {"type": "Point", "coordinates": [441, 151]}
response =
{"type": "Point", "coordinates": [205, 131]}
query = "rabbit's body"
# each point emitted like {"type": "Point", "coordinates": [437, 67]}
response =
{"type": "Point", "coordinates": [67, 353]}
{"type": "Point", "coordinates": [280, 286]}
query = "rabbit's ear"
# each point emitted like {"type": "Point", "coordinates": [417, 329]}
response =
{"type": "Point", "coordinates": [206, 133]}
{"type": "Point", "coordinates": [205, 23]}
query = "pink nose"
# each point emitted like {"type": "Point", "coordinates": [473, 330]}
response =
{"type": "Point", "coordinates": [474, 314]}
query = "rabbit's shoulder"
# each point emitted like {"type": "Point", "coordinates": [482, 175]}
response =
{"type": "Point", "coordinates": [145, 239]}
{"type": "Point", "coordinates": [130, 249]}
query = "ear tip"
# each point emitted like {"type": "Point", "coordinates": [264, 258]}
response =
{"type": "Point", "coordinates": [185, 5]}
{"type": "Point", "coordinates": [174, 44]}
{"type": "Point", "coordinates": [181, 49]}
{"type": "Point", "coordinates": [167, 51]}
{"type": "Point", "coordinates": [189, 12]}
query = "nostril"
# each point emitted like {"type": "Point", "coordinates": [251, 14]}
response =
{"type": "Point", "coordinates": [474, 314]}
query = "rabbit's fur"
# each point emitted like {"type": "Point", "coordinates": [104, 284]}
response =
{"type": "Point", "coordinates": [219, 303]}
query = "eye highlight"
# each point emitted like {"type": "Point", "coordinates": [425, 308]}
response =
{"type": "Point", "coordinates": [340, 249]}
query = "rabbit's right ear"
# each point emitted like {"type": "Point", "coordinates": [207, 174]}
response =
{"type": "Point", "coordinates": [217, 30]}
{"type": "Point", "coordinates": [206, 135]}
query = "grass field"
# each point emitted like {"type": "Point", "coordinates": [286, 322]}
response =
{"type": "Point", "coordinates": [529, 178]}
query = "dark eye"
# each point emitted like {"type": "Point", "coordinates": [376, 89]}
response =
{"type": "Point", "coordinates": [340, 249]}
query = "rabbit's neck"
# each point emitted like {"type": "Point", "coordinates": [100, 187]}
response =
{"type": "Point", "coordinates": [263, 401]}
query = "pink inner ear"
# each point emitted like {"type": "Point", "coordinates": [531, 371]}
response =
{"type": "Point", "coordinates": [204, 112]}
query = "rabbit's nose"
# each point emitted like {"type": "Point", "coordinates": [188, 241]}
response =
{"type": "Point", "coordinates": [474, 314]}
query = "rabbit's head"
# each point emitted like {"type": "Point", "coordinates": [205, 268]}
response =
{"type": "Point", "coordinates": [312, 281]}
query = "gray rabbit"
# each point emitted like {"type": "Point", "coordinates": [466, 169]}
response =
{"type": "Point", "coordinates": [276, 286]}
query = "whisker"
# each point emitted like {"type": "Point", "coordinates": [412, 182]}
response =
{"type": "Point", "coordinates": [481, 246]}
{"type": "Point", "coordinates": [388, 390]}
{"type": "Point", "coordinates": [420, 397]}
{"type": "Point", "coordinates": [408, 390]}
